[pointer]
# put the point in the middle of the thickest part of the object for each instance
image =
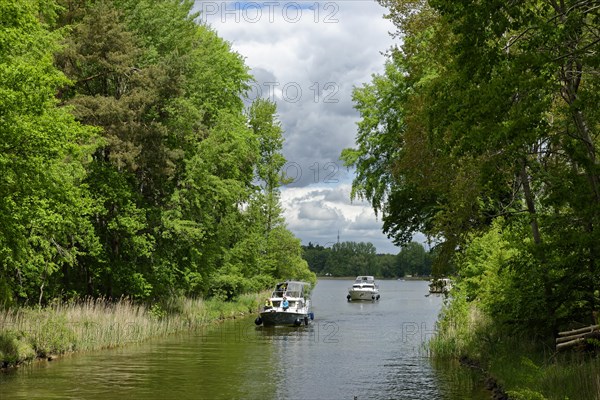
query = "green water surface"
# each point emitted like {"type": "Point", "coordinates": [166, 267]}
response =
{"type": "Point", "coordinates": [362, 350]}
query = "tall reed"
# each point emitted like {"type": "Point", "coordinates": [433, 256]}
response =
{"type": "Point", "coordinates": [525, 368]}
{"type": "Point", "coordinates": [96, 323]}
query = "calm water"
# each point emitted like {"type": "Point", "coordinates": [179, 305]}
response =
{"type": "Point", "coordinates": [352, 350]}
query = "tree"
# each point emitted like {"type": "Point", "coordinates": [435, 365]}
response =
{"type": "Point", "coordinates": [131, 167]}
{"type": "Point", "coordinates": [316, 256]}
{"type": "Point", "coordinates": [385, 266]}
{"type": "Point", "coordinates": [485, 112]}
{"type": "Point", "coordinates": [44, 206]}
{"type": "Point", "coordinates": [413, 260]}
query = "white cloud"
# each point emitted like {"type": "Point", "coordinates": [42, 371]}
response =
{"type": "Point", "coordinates": [307, 56]}
{"type": "Point", "coordinates": [366, 221]}
{"type": "Point", "coordinates": [318, 214]}
{"type": "Point", "coordinates": [317, 210]}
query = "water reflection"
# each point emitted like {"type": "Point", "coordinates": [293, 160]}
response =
{"type": "Point", "coordinates": [367, 350]}
{"type": "Point", "coordinates": [459, 382]}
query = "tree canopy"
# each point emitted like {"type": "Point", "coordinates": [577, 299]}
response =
{"type": "Point", "coordinates": [482, 133]}
{"type": "Point", "coordinates": [360, 258]}
{"type": "Point", "coordinates": [130, 165]}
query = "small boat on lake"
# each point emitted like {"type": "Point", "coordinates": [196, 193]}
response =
{"type": "Point", "coordinates": [288, 305]}
{"type": "Point", "coordinates": [363, 288]}
{"type": "Point", "coordinates": [440, 285]}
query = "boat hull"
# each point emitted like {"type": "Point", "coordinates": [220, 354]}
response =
{"type": "Point", "coordinates": [286, 318]}
{"type": "Point", "coordinates": [294, 294]}
{"type": "Point", "coordinates": [363, 295]}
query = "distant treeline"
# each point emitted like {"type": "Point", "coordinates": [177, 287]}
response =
{"type": "Point", "coordinates": [129, 165]}
{"type": "Point", "coordinates": [352, 259]}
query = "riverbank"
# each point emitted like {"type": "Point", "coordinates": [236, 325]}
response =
{"type": "Point", "coordinates": [515, 367]}
{"type": "Point", "coordinates": [27, 334]}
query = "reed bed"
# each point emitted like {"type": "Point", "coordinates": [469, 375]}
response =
{"type": "Point", "coordinates": [459, 327]}
{"type": "Point", "coordinates": [535, 375]}
{"type": "Point", "coordinates": [525, 368]}
{"type": "Point", "coordinates": [96, 323]}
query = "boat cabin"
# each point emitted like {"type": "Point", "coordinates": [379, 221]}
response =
{"type": "Point", "coordinates": [440, 285]}
{"type": "Point", "coordinates": [366, 282]}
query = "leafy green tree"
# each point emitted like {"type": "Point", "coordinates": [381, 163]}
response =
{"type": "Point", "coordinates": [44, 205]}
{"type": "Point", "coordinates": [351, 259]}
{"type": "Point", "coordinates": [130, 171]}
{"type": "Point", "coordinates": [385, 266]}
{"type": "Point", "coordinates": [316, 256]}
{"type": "Point", "coordinates": [268, 249]}
{"type": "Point", "coordinates": [413, 260]}
{"type": "Point", "coordinates": [488, 109]}
{"type": "Point", "coordinates": [130, 165]}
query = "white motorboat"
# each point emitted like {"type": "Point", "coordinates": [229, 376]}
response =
{"type": "Point", "coordinates": [440, 285]}
{"type": "Point", "coordinates": [363, 288]}
{"type": "Point", "coordinates": [288, 305]}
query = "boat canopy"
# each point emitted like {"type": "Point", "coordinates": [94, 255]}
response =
{"type": "Point", "coordinates": [291, 289]}
{"type": "Point", "coordinates": [365, 279]}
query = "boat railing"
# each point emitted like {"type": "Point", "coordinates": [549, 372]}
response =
{"type": "Point", "coordinates": [293, 305]}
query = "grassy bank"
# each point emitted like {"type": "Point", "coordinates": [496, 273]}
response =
{"type": "Point", "coordinates": [525, 368]}
{"type": "Point", "coordinates": [91, 324]}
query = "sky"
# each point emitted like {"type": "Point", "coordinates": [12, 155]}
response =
{"type": "Point", "coordinates": [307, 56]}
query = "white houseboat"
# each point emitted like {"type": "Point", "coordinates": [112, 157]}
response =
{"type": "Point", "coordinates": [288, 305]}
{"type": "Point", "coordinates": [440, 285]}
{"type": "Point", "coordinates": [363, 288]}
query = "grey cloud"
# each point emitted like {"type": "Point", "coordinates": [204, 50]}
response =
{"type": "Point", "coordinates": [365, 222]}
{"type": "Point", "coordinates": [319, 211]}
{"type": "Point", "coordinates": [312, 57]}
{"type": "Point", "coordinates": [318, 124]}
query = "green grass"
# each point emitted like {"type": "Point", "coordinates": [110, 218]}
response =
{"type": "Point", "coordinates": [526, 368]}
{"type": "Point", "coordinates": [528, 372]}
{"type": "Point", "coordinates": [91, 324]}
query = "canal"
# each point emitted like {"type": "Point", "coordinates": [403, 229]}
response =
{"type": "Point", "coordinates": [358, 350]}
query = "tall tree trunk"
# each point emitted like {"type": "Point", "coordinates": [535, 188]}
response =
{"type": "Point", "coordinates": [537, 240]}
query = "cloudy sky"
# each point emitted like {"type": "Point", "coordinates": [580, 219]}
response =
{"type": "Point", "coordinates": [307, 56]}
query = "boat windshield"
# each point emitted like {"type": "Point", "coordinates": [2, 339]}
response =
{"type": "Point", "coordinates": [295, 289]}
{"type": "Point", "coordinates": [364, 286]}
{"type": "Point", "coordinates": [365, 279]}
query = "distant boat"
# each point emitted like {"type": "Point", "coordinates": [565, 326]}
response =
{"type": "Point", "coordinates": [296, 313]}
{"type": "Point", "coordinates": [440, 285]}
{"type": "Point", "coordinates": [363, 288]}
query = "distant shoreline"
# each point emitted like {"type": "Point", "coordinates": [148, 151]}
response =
{"type": "Point", "coordinates": [351, 278]}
